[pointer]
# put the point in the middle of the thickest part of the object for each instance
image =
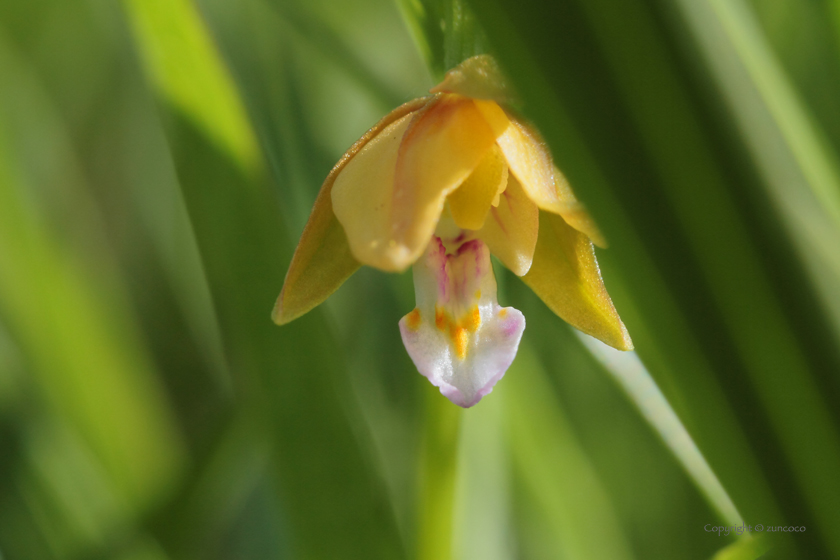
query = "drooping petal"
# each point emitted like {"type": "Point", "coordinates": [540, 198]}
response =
{"type": "Point", "coordinates": [458, 336]}
{"type": "Point", "coordinates": [321, 263]}
{"type": "Point", "coordinates": [363, 194]}
{"type": "Point", "coordinates": [530, 161]}
{"type": "Point", "coordinates": [442, 146]}
{"type": "Point", "coordinates": [511, 229]}
{"type": "Point", "coordinates": [565, 275]}
{"type": "Point", "coordinates": [323, 260]}
{"type": "Point", "coordinates": [478, 77]}
{"type": "Point", "coordinates": [471, 202]}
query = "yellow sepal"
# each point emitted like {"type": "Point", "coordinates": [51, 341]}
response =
{"type": "Point", "coordinates": [565, 275]}
{"type": "Point", "coordinates": [322, 260]}
{"type": "Point", "coordinates": [321, 263]}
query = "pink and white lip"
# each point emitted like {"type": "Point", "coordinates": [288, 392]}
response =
{"type": "Point", "coordinates": [452, 285]}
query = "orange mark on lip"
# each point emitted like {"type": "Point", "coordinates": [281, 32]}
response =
{"type": "Point", "coordinates": [472, 320]}
{"type": "Point", "coordinates": [458, 336]}
{"type": "Point", "coordinates": [441, 320]}
{"type": "Point", "coordinates": [413, 319]}
{"type": "Point", "coordinates": [459, 331]}
{"type": "Point", "coordinates": [502, 312]}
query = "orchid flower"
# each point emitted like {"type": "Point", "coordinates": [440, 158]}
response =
{"type": "Point", "coordinates": [439, 184]}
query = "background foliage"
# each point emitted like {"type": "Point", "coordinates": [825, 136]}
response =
{"type": "Point", "coordinates": [158, 159]}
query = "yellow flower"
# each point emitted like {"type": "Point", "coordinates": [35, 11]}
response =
{"type": "Point", "coordinates": [440, 183]}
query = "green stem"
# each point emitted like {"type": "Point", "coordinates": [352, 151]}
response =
{"type": "Point", "coordinates": [447, 33]}
{"type": "Point", "coordinates": [463, 37]}
{"type": "Point", "coordinates": [438, 471]}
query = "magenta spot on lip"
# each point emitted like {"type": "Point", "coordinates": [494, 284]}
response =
{"type": "Point", "coordinates": [471, 245]}
{"type": "Point", "coordinates": [511, 327]}
{"type": "Point", "coordinates": [442, 275]}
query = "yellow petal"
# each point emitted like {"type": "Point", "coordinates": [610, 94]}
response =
{"type": "Point", "coordinates": [530, 161]}
{"type": "Point", "coordinates": [471, 202]}
{"type": "Point", "coordinates": [322, 260]}
{"type": "Point", "coordinates": [511, 230]}
{"type": "Point", "coordinates": [566, 277]}
{"type": "Point", "coordinates": [362, 198]}
{"type": "Point", "coordinates": [442, 146]}
{"type": "Point", "coordinates": [478, 77]}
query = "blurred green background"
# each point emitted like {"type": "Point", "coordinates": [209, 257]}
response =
{"type": "Point", "coordinates": [158, 160]}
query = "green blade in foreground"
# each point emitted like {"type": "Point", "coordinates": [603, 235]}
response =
{"type": "Point", "coordinates": [611, 89]}
{"type": "Point", "coordinates": [289, 375]}
{"type": "Point", "coordinates": [631, 375]}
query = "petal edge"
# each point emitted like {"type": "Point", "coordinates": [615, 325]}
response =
{"type": "Point", "coordinates": [511, 230]}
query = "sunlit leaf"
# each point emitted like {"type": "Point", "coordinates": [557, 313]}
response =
{"type": "Point", "coordinates": [744, 549]}
{"type": "Point", "coordinates": [636, 382]}
{"type": "Point", "coordinates": [611, 88]}
{"type": "Point", "coordinates": [183, 63]}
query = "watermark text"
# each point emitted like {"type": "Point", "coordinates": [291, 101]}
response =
{"type": "Point", "coordinates": [726, 530]}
